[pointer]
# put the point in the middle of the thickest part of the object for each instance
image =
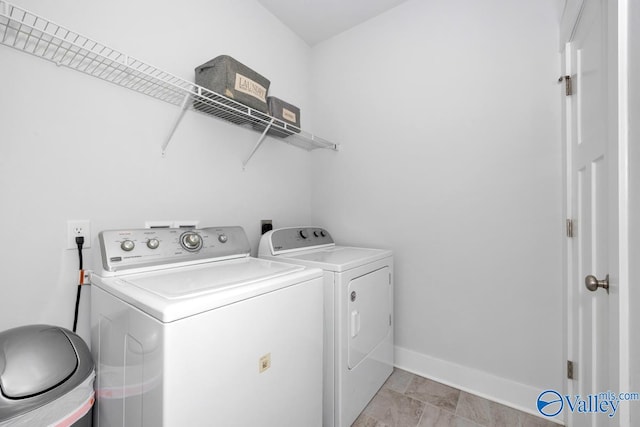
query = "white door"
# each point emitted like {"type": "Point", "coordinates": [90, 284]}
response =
{"type": "Point", "coordinates": [592, 312]}
{"type": "Point", "coordinates": [369, 313]}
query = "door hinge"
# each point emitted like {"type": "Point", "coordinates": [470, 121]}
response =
{"type": "Point", "coordinates": [568, 86]}
{"type": "Point", "coordinates": [569, 227]}
{"type": "Point", "coordinates": [389, 320]}
{"type": "Point", "coordinates": [569, 369]}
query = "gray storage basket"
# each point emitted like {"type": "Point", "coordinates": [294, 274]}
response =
{"type": "Point", "coordinates": [236, 82]}
{"type": "Point", "coordinates": [286, 118]}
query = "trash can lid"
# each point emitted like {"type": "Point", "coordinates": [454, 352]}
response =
{"type": "Point", "coordinates": [34, 360]}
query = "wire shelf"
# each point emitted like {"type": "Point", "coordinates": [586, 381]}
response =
{"type": "Point", "coordinates": [30, 33]}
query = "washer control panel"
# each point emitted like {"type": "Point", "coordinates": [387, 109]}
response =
{"type": "Point", "coordinates": [148, 247]}
{"type": "Point", "coordinates": [295, 238]}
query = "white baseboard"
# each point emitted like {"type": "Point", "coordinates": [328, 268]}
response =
{"type": "Point", "coordinates": [501, 390]}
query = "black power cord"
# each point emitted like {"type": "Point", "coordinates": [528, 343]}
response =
{"type": "Point", "coordinates": [80, 243]}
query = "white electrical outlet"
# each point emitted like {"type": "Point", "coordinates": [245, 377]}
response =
{"type": "Point", "coordinates": [77, 228]}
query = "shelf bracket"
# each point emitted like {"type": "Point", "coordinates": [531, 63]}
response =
{"type": "Point", "coordinates": [183, 109]}
{"type": "Point", "coordinates": [258, 144]}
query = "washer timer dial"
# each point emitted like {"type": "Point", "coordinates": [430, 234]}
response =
{"type": "Point", "coordinates": [191, 241]}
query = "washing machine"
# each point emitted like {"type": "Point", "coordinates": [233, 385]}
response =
{"type": "Point", "coordinates": [358, 315]}
{"type": "Point", "coordinates": [188, 329]}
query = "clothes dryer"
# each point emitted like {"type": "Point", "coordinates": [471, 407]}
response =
{"type": "Point", "coordinates": [188, 329]}
{"type": "Point", "coordinates": [358, 315]}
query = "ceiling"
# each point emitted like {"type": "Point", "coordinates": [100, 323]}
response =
{"type": "Point", "coordinates": [318, 20]}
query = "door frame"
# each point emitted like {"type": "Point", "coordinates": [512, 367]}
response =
{"type": "Point", "coordinates": [617, 152]}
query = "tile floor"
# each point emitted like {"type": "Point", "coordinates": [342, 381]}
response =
{"type": "Point", "coordinates": [408, 400]}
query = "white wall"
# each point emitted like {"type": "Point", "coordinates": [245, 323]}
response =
{"type": "Point", "coordinates": [75, 147]}
{"type": "Point", "coordinates": [634, 204]}
{"type": "Point", "coordinates": [449, 121]}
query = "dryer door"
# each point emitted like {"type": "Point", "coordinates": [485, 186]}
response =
{"type": "Point", "coordinates": [369, 309]}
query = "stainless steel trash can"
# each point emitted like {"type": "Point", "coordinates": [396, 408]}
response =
{"type": "Point", "coordinates": [46, 378]}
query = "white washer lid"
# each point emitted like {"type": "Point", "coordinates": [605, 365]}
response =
{"type": "Point", "coordinates": [175, 293]}
{"type": "Point", "coordinates": [206, 278]}
{"type": "Point", "coordinates": [336, 258]}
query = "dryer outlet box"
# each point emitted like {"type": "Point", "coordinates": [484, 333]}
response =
{"type": "Point", "coordinates": [266, 225]}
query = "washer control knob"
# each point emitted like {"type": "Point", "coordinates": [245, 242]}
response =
{"type": "Point", "coordinates": [303, 234]}
{"type": "Point", "coordinates": [191, 241]}
{"type": "Point", "coordinates": [316, 234]}
{"type": "Point", "coordinates": [223, 238]}
{"type": "Point", "coordinates": [322, 233]}
{"type": "Point", "coordinates": [153, 243]}
{"type": "Point", "coordinates": [127, 245]}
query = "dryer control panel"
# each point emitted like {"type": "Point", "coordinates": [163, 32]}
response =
{"type": "Point", "coordinates": [283, 240]}
{"type": "Point", "coordinates": [156, 247]}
